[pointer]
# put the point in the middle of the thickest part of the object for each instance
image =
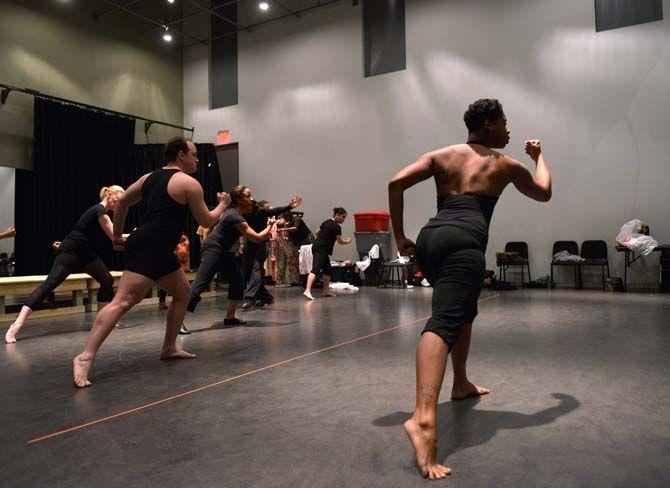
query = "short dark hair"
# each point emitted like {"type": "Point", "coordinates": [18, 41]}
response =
{"type": "Point", "coordinates": [173, 146]}
{"type": "Point", "coordinates": [482, 110]}
{"type": "Point", "coordinates": [339, 211]}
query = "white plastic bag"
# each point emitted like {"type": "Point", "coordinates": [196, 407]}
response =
{"type": "Point", "coordinates": [642, 244]}
{"type": "Point", "coordinates": [365, 264]}
{"type": "Point", "coordinates": [629, 236]}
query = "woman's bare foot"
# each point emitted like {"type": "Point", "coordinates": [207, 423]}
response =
{"type": "Point", "coordinates": [329, 294]}
{"type": "Point", "coordinates": [80, 369]}
{"type": "Point", "coordinates": [468, 390]}
{"type": "Point", "coordinates": [10, 336]}
{"type": "Point", "coordinates": [424, 441]}
{"type": "Point", "coordinates": [176, 354]}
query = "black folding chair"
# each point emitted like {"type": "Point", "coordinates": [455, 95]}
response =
{"type": "Point", "coordinates": [521, 248]}
{"type": "Point", "coordinates": [572, 248]}
{"type": "Point", "coordinates": [595, 254]}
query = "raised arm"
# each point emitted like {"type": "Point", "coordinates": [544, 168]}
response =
{"type": "Point", "coordinates": [538, 187]}
{"type": "Point", "coordinates": [406, 178]}
{"type": "Point", "coordinates": [276, 211]}
{"type": "Point", "coordinates": [196, 202]}
{"type": "Point", "coordinates": [130, 197]}
{"type": "Point", "coordinates": [251, 234]}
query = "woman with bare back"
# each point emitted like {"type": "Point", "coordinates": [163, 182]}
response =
{"type": "Point", "coordinates": [450, 251]}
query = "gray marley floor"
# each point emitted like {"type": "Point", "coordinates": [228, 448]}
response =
{"type": "Point", "coordinates": [580, 396]}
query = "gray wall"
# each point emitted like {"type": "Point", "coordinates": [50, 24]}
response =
{"type": "Point", "coordinates": [6, 206]}
{"type": "Point", "coordinates": [309, 123]}
{"type": "Point", "coordinates": [60, 50]}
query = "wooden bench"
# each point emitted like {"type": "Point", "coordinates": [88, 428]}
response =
{"type": "Point", "coordinates": [78, 284]}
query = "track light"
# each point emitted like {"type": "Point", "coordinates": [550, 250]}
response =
{"type": "Point", "coordinates": [167, 37]}
{"type": "Point", "coordinates": [264, 6]}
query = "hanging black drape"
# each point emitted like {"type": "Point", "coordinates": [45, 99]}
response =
{"type": "Point", "coordinates": [75, 153]}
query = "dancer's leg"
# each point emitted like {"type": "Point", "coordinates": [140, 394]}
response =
{"type": "Point", "coordinates": [133, 288]}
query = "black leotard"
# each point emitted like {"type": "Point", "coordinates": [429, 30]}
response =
{"type": "Point", "coordinates": [450, 252]}
{"type": "Point", "coordinates": [150, 248]}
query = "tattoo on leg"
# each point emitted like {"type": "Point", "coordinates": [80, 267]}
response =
{"type": "Point", "coordinates": [428, 392]}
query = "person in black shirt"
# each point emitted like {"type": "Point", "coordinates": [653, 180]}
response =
{"type": "Point", "coordinates": [168, 192]}
{"type": "Point", "coordinates": [76, 254]}
{"type": "Point", "coordinates": [329, 233]}
{"type": "Point", "coordinates": [216, 255]}
{"type": "Point", "coordinates": [255, 254]}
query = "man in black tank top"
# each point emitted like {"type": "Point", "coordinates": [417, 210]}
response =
{"type": "Point", "coordinates": [150, 249]}
{"type": "Point", "coordinates": [450, 252]}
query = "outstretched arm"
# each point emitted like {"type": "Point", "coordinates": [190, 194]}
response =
{"type": "Point", "coordinates": [343, 241]}
{"type": "Point", "coordinates": [276, 211]}
{"type": "Point", "coordinates": [538, 187]}
{"type": "Point", "coordinates": [251, 234]}
{"type": "Point", "coordinates": [196, 202]}
{"type": "Point", "coordinates": [406, 178]}
{"type": "Point", "coordinates": [9, 232]}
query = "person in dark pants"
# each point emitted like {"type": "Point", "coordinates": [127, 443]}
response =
{"type": "Point", "coordinates": [216, 255]}
{"type": "Point", "coordinates": [76, 254]}
{"type": "Point", "coordinates": [450, 252]}
{"type": "Point", "coordinates": [328, 234]}
{"type": "Point", "coordinates": [255, 254]}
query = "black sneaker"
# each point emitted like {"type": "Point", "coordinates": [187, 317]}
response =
{"type": "Point", "coordinates": [248, 305]}
{"type": "Point", "coordinates": [267, 300]}
{"type": "Point", "coordinates": [183, 330]}
{"type": "Point", "coordinates": [234, 321]}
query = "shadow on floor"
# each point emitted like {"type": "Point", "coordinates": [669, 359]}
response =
{"type": "Point", "coordinates": [461, 426]}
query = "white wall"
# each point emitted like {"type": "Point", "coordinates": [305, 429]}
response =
{"type": "Point", "coordinates": [6, 206]}
{"type": "Point", "coordinates": [60, 50]}
{"type": "Point", "coordinates": [309, 123]}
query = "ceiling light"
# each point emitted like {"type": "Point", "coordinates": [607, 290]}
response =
{"type": "Point", "coordinates": [170, 1]}
{"type": "Point", "coordinates": [167, 37]}
{"type": "Point", "coordinates": [264, 6]}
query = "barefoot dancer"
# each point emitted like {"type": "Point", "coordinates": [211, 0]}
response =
{"type": "Point", "coordinates": [150, 257]}
{"type": "Point", "coordinates": [216, 255]}
{"type": "Point", "coordinates": [450, 251]}
{"type": "Point", "coordinates": [329, 233]}
{"type": "Point", "coordinates": [77, 254]}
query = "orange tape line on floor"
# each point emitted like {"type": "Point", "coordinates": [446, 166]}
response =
{"type": "Point", "coordinates": [232, 378]}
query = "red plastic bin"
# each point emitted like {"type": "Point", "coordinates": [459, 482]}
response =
{"type": "Point", "coordinates": [372, 221]}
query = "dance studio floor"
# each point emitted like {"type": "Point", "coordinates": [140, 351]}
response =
{"type": "Point", "coordinates": [315, 394]}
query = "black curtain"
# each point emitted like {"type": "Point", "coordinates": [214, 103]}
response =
{"type": "Point", "coordinates": [75, 153]}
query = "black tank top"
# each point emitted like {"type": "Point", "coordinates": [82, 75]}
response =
{"type": "Point", "coordinates": [471, 213]}
{"type": "Point", "coordinates": [164, 218]}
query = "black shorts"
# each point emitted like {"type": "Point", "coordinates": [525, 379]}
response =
{"type": "Point", "coordinates": [150, 261]}
{"type": "Point", "coordinates": [453, 262]}
{"type": "Point", "coordinates": [321, 262]}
